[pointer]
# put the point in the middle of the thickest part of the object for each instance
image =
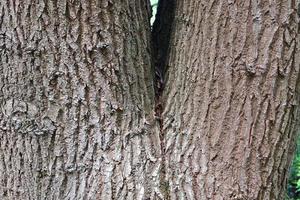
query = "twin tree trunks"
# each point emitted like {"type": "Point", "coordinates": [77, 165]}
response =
{"type": "Point", "coordinates": [94, 106]}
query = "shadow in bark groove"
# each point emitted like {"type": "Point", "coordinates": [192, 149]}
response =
{"type": "Point", "coordinates": [161, 36]}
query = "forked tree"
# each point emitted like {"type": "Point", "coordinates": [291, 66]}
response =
{"type": "Point", "coordinates": [94, 104]}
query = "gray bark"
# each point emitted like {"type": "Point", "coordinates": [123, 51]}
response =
{"type": "Point", "coordinates": [231, 100]}
{"type": "Point", "coordinates": [79, 118]}
{"type": "Point", "coordinates": [77, 98]}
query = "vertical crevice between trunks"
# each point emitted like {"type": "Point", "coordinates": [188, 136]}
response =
{"type": "Point", "coordinates": [160, 37]}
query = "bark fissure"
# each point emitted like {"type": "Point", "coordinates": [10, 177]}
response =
{"type": "Point", "coordinates": [161, 37]}
{"type": "Point", "coordinates": [161, 34]}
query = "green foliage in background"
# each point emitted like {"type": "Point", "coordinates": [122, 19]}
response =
{"type": "Point", "coordinates": [154, 4]}
{"type": "Point", "coordinates": [293, 190]}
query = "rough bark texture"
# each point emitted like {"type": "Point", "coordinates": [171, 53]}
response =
{"type": "Point", "coordinates": [77, 101]}
{"type": "Point", "coordinates": [231, 100]}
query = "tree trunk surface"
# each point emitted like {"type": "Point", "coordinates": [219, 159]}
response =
{"type": "Point", "coordinates": [77, 101]}
{"type": "Point", "coordinates": [80, 117]}
{"type": "Point", "coordinates": [231, 100]}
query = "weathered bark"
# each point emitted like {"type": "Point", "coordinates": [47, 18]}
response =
{"type": "Point", "coordinates": [231, 100]}
{"type": "Point", "coordinates": [77, 98]}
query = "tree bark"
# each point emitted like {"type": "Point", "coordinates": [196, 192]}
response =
{"type": "Point", "coordinates": [77, 101]}
{"type": "Point", "coordinates": [79, 117]}
{"type": "Point", "coordinates": [231, 100]}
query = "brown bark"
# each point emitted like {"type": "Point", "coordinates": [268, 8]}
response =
{"type": "Point", "coordinates": [231, 100]}
{"type": "Point", "coordinates": [77, 99]}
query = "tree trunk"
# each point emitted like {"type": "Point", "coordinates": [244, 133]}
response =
{"type": "Point", "coordinates": [77, 101]}
{"type": "Point", "coordinates": [79, 117]}
{"type": "Point", "coordinates": [231, 100]}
